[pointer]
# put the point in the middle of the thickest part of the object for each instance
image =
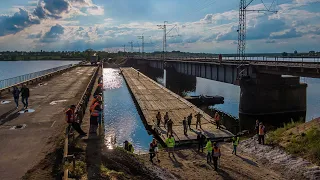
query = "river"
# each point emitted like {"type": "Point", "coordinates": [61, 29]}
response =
{"type": "Point", "coordinates": [122, 120]}
{"type": "Point", "coordinates": [9, 69]}
{"type": "Point", "coordinates": [231, 93]}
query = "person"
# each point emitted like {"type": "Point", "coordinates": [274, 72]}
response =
{"type": "Point", "coordinates": [209, 149]}
{"type": "Point", "coordinates": [25, 93]}
{"type": "Point", "coordinates": [256, 128]}
{"type": "Point", "coordinates": [16, 94]}
{"type": "Point", "coordinates": [261, 133]}
{"type": "Point", "coordinates": [185, 127]}
{"type": "Point", "coordinates": [198, 116]}
{"type": "Point", "coordinates": [217, 119]}
{"type": "Point", "coordinates": [99, 89]}
{"type": "Point", "coordinates": [96, 98]}
{"type": "Point", "coordinates": [100, 80]}
{"type": "Point", "coordinates": [152, 151]}
{"type": "Point", "coordinates": [158, 117]}
{"type": "Point", "coordinates": [169, 128]}
{"type": "Point", "coordinates": [96, 110]}
{"type": "Point", "coordinates": [170, 142]}
{"type": "Point", "coordinates": [156, 149]}
{"type": "Point", "coordinates": [70, 118]}
{"type": "Point", "coordinates": [128, 146]}
{"type": "Point", "coordinates": [200, 138]}
{"type": "Point", "coordinates": [216, 154]}
{"type": "Point", "coordinates": [189, 120]}
{"type": "Point", "coordinates": [235, 142]}
{"type": "Point", "coordinates": [166, 119]}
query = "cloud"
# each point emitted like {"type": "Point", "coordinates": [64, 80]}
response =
{"type": "Point", "coordinates": [35, 36]}
{"type": "Point", "coordinates": [292, 33]}
{"type": "Point", "coordinates": [17, 22]}
{"type": "Point", "coordinates": [45, 9]}
{"type": "Point", "coordinates": [53, 34]}
{"type": "Point", "coordinates": [269, 41]}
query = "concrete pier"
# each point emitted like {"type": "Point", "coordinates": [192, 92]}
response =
{"type": "Point", "coordinates": [22, 149]}
{"type": "Point", "coordinates": [152, 97]}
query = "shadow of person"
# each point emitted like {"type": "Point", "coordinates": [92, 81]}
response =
{"type": "Point", "coordinates": [223, 173]}
{"type": "Point", "coordinates": [248, 161]}
{"type": "Point", "coordinates": [4, 115]}
{"type": "Point", "coordinates": [175, 162]}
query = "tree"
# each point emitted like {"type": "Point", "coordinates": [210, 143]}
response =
{"type": "Point", "coordinates": [284, 54]}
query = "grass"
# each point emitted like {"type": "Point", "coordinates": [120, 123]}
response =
{"type": "Point", "coordinates": [275, 137]}
{"type": "Point", "coordinates": [111, 173]}
{"type": "Point", "coordinates": [78, 171]}
{"type": "Point", "coordinates": [303, 143]}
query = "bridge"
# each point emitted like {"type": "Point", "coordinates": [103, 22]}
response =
{"type": "Point", "coordinates": [268, 89]}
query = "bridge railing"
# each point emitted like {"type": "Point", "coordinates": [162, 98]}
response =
{"type": "Point", "coordinates": [16, 80]}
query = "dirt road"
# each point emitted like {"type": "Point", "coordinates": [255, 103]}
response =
{"type": "Point", "coordinates": [21, 149]}
{"type": "Point", "coordinates": [189, 164]}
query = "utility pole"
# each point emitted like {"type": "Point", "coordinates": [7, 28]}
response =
{"type": "Point", "coordinates": [164, 41]}
{"type": "Point", "coordinates": [131, 43]}
{"type": "Point", "coordinates": [124, 48]}
{"type": "Point", "coordinates": [142, 39]}
{"type": "Point", "coordinates": [165, 33]}
{"type": "Point", "coordinates": [242, 30]}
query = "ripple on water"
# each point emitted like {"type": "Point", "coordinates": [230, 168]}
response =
{"type": "Point", "coordinates": [122, 120]}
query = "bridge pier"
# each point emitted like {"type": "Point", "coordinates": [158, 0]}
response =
{"type": "Point", "coordinates": [272, 99]}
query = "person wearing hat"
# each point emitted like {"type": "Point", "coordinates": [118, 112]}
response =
{"type": "Point", "coordinates": [216, 154]}
{"type": "Point", "coordinates": [261, 133]}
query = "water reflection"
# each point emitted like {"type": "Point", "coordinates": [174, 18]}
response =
{"type": "Point", "coordinates": [122, 120]}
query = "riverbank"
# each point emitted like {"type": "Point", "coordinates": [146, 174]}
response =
{"type": "Point", "coordinates": [294, 148]}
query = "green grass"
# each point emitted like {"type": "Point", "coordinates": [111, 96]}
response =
{"type": "Point", "coordinates": [110, 173]}
{"type": "Point", "coordinates": [305, 144]}
{"type": "Point", "coordinates": [79, 170]}
{"type": "Point", "coordinates": [275, 137]}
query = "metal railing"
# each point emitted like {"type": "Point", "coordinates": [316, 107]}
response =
{"type": "Point", "coordinates": [79, 114]}
{"type": "Point", "coordinates": [16, 80]}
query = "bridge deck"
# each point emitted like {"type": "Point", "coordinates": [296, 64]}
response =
{"type": "Point", "coordinates": [22, 149]}
{"type": "Point", "coordinates": [152, 97]}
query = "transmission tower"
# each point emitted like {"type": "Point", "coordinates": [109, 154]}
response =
{"type": "Point", "coordinates": [142, 44]}
{"type": "Point", "coordinates": [124, 48]}
{"type": "Point", "coordinates": [165, 35]}
{"type": "Point", "coordinates": [131, 43]}
{"type": "Point", "coordinates": [241, 51]}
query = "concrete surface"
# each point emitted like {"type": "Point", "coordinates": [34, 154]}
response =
{"type": "Point", "coordinates": [21, 149]}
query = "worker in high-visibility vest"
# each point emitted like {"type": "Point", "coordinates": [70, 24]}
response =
{"type": "Point", "coordinates": [170, 142]}
{"type": "Point", "coordinates": [95, 99]}
{"type": "Point", "coordinates": [261, 133]}
{"type": "Point", "coordinates": [96, 110]}
{"type": "Point", "coordinates": [235, 143]}
{"type": "Point", "coordinates": [216, 154]}
{"type": "Point", "coordinates": [209, 151]}
{"type": "Point", "coordinates": [71, 120]}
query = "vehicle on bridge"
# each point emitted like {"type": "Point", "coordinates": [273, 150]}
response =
{"type": "Point", "coordinates": [94, 59]}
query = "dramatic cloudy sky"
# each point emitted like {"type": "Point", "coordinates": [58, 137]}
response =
{"type": "Point", "coordinates": [203, 25]}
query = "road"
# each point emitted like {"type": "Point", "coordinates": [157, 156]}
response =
{"type": "Point", "coordinates": [21, 149]}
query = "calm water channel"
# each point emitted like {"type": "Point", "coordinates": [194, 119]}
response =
{"type": "Point", "coordinates": [9, 69]}
{"type": "Point", "coordinates": [122, 120]}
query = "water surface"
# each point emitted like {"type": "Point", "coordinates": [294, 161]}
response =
{"type": "Point", "coordinates": [122, 120]}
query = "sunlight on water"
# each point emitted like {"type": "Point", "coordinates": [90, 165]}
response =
{"type": "Point", "coordinates": [122, 121]}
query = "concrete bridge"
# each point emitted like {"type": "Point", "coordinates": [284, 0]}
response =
{"type": "Point", "coordinates": [269, 88]}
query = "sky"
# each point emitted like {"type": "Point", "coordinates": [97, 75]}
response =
{"type": "Point", "coordinates": [208, 26]}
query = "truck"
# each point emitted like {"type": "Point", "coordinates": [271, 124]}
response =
{"type": "Point", "coordinates": [94, 59]}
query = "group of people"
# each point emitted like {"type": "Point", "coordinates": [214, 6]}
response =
{"type": "Point", "coordinates": [186, 122]}
{"type": "Point", "coordinates": [95, 113]}
{"type": "Point", "coordinates": [25, 93]}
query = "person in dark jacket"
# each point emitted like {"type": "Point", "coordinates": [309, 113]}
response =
{"type": "Point", "coordinates": [25, 96]}
{"type": "Point", "coordinates": [201, 138]}
{"type": "Point", "coordinates": [16, 94]}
